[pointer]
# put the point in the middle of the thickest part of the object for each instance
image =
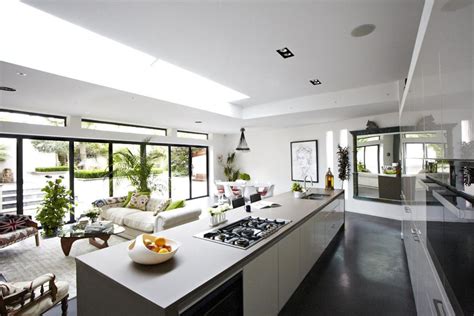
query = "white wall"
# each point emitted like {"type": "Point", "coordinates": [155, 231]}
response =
{"type": "Point", "coordinates": [269, 158]}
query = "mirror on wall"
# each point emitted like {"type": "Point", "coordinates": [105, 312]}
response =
{"type": "Point", "coordinates": [379, 169]}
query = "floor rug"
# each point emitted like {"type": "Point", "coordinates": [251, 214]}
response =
{"type": "Point", "coordinates": [24, 261]}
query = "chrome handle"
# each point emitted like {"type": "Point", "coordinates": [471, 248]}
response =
{"type": "Point", "coordinates": [439, 307]}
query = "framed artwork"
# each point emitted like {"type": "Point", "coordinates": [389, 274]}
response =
{"type": "Point", "coordinates": [304, 160]}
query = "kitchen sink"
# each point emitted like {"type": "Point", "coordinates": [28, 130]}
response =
{"type": "Point", "coordinates": [315, 196]}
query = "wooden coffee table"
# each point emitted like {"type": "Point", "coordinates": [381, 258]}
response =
{"type": "Point", "coordinates": [69, 234]}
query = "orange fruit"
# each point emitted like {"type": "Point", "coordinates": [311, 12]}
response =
{"type": "Point", "coordinates": [160, 241]}
{"type": "Point", "coordinates": [163, 250]}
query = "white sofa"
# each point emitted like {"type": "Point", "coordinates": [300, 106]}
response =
{"type": "Point", "coordinates": [137, 222]}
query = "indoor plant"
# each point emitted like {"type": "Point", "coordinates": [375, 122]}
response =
{"type": "Point", "coordinates": [139, 169]}
{"type": "Point", "coordinates": [343, 165]}
{"type": "Point", "coordinates": [93, 214]}
{"type": "Point", "coordinates": [297, 190]}
{"type": "Point", "coordinates": [57, 202]}
{"type": "Point", "coordinates": [230, 170]}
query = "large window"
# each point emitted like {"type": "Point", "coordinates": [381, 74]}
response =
{"type": "Point", "coordinates": [8, 175]}
{"type": "Point", "coordinates": [42, 159]}
{"type": "Point", "coordinates": [418, 154]}
{"type": "Point", "coordinates": [194, 135]}
{"type": "Point", "coordinates": [31, 118]}
{"type": "Point", "coordinates": [199, 171]}
{"type": "Point", "coordinates": [91, 181]}
{"type": "Point", "coordinates": [159, 154]}
{"type": "Point", "coordinates": [179, 171]}
{"type": "Point", "coordinates": [121, 184]}
{"type": "Point", "coordinates": [123, 128]}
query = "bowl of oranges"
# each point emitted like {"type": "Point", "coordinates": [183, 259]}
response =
{"type": "Point", "coordinates": [149, 249]}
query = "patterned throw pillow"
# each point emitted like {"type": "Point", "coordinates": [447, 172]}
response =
{"type": "Point", "coordinates": [161, 206]}
{"type": "Point", "coordinates": [138, 201]}
{"type": "Point", "coordinates": [7, 289]}
{"type": "Point", "coordinates": [10, 223]}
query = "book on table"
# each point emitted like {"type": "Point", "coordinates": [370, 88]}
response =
{"type": "Point", "coordinates": [99, 226]}
{"type": "Point", "coordinates": [265, 204]}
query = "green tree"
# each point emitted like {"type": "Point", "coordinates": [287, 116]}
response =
{"type": "Point", "coordinates": [60, 148]}
{"type": "Point", "coordinates": [179, 161]}
{"type": "Point", "coordinates": [3, 153]}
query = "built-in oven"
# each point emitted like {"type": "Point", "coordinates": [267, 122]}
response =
{"type": "Point", "coordinates": [227, 300]}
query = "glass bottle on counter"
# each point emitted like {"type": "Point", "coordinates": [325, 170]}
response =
{"type": "Point", "coordinates": [329, 180]}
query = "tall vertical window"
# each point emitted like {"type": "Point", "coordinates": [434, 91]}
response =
{"type": "Point", "coordinates": [121, 184]}
{"type": "Point", "coordinates": [8, 175]}
{"type": "Point", "coordinates": [368, 159]}
{"type": "Point", "coordinates": [42, 158]}
{"type": "Point", "coordinates": [199, 171]}
{"type": "Point", "coordinates": [160, 170]}
{"type": "Point", "coordinates": [180, 185]}
{"type": "Point", "coordinates": [91, 181]}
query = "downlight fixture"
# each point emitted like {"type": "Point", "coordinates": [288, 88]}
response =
{"type": "Point", "coordinates": [285, 52]}
{"type": "Point", "coordinates": [363, 30]}
{"type": "Point", "coordinates": [8, 89]}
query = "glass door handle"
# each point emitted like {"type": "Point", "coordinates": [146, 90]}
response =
{"type": "Point", "coordinates": [439, 307]}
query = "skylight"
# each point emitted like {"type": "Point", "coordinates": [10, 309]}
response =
{"type": "Point", "coordinates": [53, 45]}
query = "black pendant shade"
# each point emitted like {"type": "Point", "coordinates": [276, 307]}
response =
{"type": "Point", "coordinates": [242, 143]}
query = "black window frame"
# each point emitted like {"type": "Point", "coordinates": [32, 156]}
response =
{"type": "Point", "coordinates": [86, 120]}
{"type": "Point", "coordinates": [72, 140]}
{"type": "Point", "coordinates": [55, 116]}
{"type": "Point", "coordinates": [189, 132]}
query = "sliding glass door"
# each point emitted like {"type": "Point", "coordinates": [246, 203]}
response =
{"type": "Point", "coordinates": [199, 171]}
{"type": "Point", "coordinates": [8, 175]}
{"type": "Point", "coordinates": [180, 161]}
{"type": "Point", "coordinates": [91, 178]}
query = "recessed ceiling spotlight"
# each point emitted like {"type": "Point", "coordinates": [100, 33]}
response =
{"type": "Point", "coordinates": [21, 74]}
{"type": "Point", "coordinates": [198, 122]}
{"type": "Point", "coordinates": [7, 89]}
{"type": "Point", "coordinates": [363, 30]}
{"type": "Point", "coordinates": [315, 82]}
{"type": "Point", "coordinates": [285, 52]}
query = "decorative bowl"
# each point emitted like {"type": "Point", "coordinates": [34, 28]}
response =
{"type": "Point", "coordinates": [139, 253]}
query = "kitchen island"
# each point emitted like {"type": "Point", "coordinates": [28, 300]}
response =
{"type": "Point", "coordinates": [109, 283]}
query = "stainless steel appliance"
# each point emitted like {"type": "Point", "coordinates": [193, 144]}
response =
{"type": "Point", "coordinates": [244, 233]}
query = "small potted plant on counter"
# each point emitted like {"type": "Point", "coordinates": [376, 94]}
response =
{"type": "Point", "coordinates": [297, 190]}
{"type": "Point", "coordinates": [218, 214]}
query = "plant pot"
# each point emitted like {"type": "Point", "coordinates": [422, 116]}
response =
{"type": "Point", "coordinates": [50, 232]}
{"type": "Point", "coordinates": [298, 194]}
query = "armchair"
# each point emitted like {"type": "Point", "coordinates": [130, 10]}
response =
{"type": "Point", "coordinates": [15, 228]}
{"type": "Point", "coordinates": [33, 297]}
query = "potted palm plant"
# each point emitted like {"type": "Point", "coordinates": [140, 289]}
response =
{"type": "Point", "coordinates": [137, 168]}
{"type": "Point", "coordinates": [57, 202]}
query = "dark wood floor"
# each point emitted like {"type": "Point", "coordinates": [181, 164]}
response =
{"type": "Point", "coordinates": [364, 273]}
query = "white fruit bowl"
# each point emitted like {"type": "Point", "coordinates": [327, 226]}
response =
{"type": "Point", "coordinates": [139, 253]}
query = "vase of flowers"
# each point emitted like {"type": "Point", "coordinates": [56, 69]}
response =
{"type": "Point", "coordinates": [93, 214]}
{"type": "Point", "coordinates": [218, 215]}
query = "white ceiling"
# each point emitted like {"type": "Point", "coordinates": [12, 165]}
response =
{"type": "Point", "coordinates": [234, 43]}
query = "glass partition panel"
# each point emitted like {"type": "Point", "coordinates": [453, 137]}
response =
{"type": "Point", "coordinates": [160, 178]}
{"type": "Point", "coordinates": [180, 173]}
{"type": "Point", "coordinates": [91, 181]}
{"type": "Point", "coordinates": [41, 158]}
{"type": "Point", "coordinates": [121, 184]}
{"type": "Point", "coordinates": [199, 169]}
{"type": "Point", "coordinates": [8, 175]}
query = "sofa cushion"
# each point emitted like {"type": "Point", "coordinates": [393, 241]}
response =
{"type": "Point", "coordinates": [157, 205]}
{"type": "Point", "coordinates": [175, 204]}
{"type": "Point", "coordinates": [138, 201]}
{"type": "Point", "coordinates": [117, 214]}
{"type": "Point", "coordinates": [144, 221]}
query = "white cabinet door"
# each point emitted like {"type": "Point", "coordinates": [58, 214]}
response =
{"type": "Point", "coordinates": [306, 247]}
{"type": "Point", "coordinates": [319, 241]}
{"type": "Point", "coordinates": [260, 281]}
{"type": "Point", "coordinates": [288, 266]}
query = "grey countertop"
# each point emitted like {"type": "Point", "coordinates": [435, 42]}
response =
{"type": "Point", "coordinates": [198, 262]}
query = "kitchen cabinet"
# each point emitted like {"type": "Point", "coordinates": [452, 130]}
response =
{"type": "Point", "coordinates": [288, 266]}
{"type": "Point", "coordinates": [260, 283]}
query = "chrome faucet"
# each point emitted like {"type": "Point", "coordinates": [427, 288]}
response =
{"type": "Point", "coordinates": [304, 183]}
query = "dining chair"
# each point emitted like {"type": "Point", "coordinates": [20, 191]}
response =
{"type": "Point", "coordinates": [238, 202]}
{"type": "Point", "coordinates": [249, 190]}
{"type": "Point", "coordinates": [255, 197]}
{"type": "Point", "coordinates": [229, 193]}
{"type": "Point", "coordinates": [266, 191]}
